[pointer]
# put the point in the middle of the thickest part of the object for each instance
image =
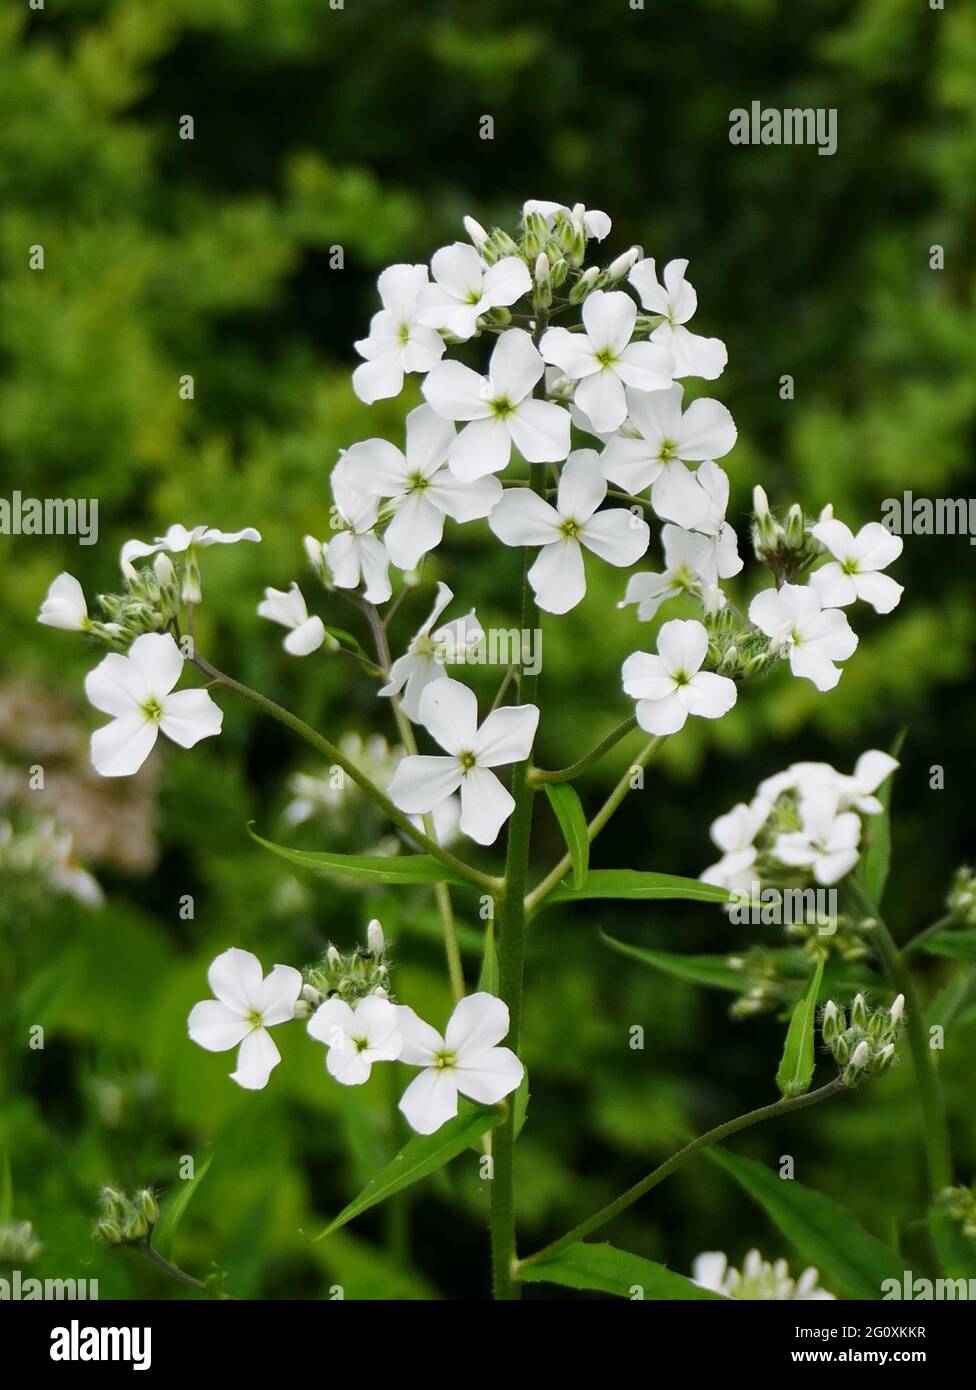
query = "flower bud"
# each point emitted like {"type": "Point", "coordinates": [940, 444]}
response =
{"type": "Point", "coordinates": [535, 234]}
{"type": "Point", "coordinates": [163, 570]}
{"type": "Point", "coordinates": [861, 1055]}
{"type": "Point", "coordinates": [897, 1009]}
{"type": "Point", "coordinates": [146, 1203]}
{"type": "Point", "coordinates": [375, 939]}
{"type": "Point", "coordinates": [831, 1022]}
{"type": "Point", "coordinates": [586, 282]}
{"type": "Point", "coordinates": [617, 269]}
{"type": "Point", "coordinates": [476, 232]}
{"type": "Point", "coordinates": [334, 958]}
{"type": "Point", "coordinates": [311, 995]}
{"type": "Point", "coordinates": [795, 531]}
{"type": "Point", "coordinates": [543, 282]}
{"type": "Point", "coordinates": [558, 270]}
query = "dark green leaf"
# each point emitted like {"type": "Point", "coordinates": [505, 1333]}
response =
{"type": "Point", "coordinates": [796, 1068]}
{"type": "Point", "coordinates": [875, 861]}
{"type": "Point", "coordinates": [572, 821]}
{"type": "Point", "coordinates": [419, 1157]}
{"type": "Point", "coordinates": [397, 868]}
{"type": "Point", "coordinates": [851, 1261]}
{"type": "Point", "coordinates": [173, 1212]}
{"type": "Point", "coordinates": [635, 883]}
{"type": "Point", "coordinates": [700, 970]}
{"type": "Point", "coordinates": [960, 945]}
{"type": "Point", "coordinates": [609, 1270]}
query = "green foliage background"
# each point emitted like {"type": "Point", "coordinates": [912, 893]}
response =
{"type": "Point", "coordinates": [358, 127]}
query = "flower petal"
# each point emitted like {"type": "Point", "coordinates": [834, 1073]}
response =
{"type": "Point", "coordinates": [256, 1060]}
{"type": "Point", "coordinates": [277, 995]}
{"type": "Point", "coordinates": [488, 1076]}
{"type": "Point", "coordinates": [421, 1042]}
{"type": "Point", "coordinates": [213, 1026]}
{"type": "Point", "coordinates": [430, 1100]}
{"type": "Point", "coordinates": [485, 806]}
{"type": "Point", "coordinates": [557, 576]}
{"type": "Point", "coordinates": [189, 716]}
{"type": "Point", "coordinates": [119, 749]}
{"type": "Point", "coordinates": [235, 977]}
{"type": "Point", "coordinates": [420, 782]}
{"type": "Point", "coordinates": [506, 735]}
{"type": "Point", "coordinates": [681, 645]}
{"type": "Point", "coordinates": [479, 1021]}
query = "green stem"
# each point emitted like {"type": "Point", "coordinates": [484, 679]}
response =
{"type": "Point", "coordinates": [330, 751]}
{"type": "Point", "coordinates": [678, 1160]}
{"type": "Point", "coordinates": [912, 947]}
{"type": "Point", "coordinates": [926, 1076]}
{"type": "Point", "coordinates": [539, 775]}
{"type": "Point", "coordinates": [612, 803]}
{"type": "Point", "coordinates": [180, 1275]}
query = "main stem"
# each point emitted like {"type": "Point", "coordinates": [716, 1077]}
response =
{"type": "Point", "coordinates": [926, 1076]}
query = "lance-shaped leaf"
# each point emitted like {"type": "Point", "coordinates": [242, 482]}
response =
{"type": "Point", "coordinates": [796, 1068]}
{"type": "Point", "coordinates": [713, 971]}
{"type": "Point", "coordinates": [875, 861]}
{"type": "Point", "coordinates": [851, 1261]}
{"type": "Point", "coordinates": [419, 1157]}
{"type": "Point", "coordinates": [609, 1270]}
{"type": "Point", "coordinates": [397, 868]}
{"type": "Point", "coordinates": [959, 945]}
{"type": "Point", "coordinates": [572, 822]}
{"type": "Point", "coordinates": [174, 1210]}
{"type": "Point", "coordinates": [638, 884]}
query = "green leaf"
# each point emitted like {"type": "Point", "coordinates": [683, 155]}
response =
{"type": "Point", "coordinates": [346, 639]}
{"type": "Point", "coordinates": [609, 1270]}
{"type": "Point", "coordinates": [700, 970]}
{"type": "Point", "coordinates": [398, 868]}
{"type": "Point", "coordinates": [872, 869]}
{"type": "Point", "coordinates": [572, 821]}
{"type": "Point", "coordinates": [173, 1212]}
{"type": "Point", "coordinates": [635, 883]}
{"type": "Point", "coordinates": [520, 1103]}
{"type": "Point", "coordinates": [796, 1068]}
{"type": "Point", "coordinates": [488, 979]}
{"type": "Point", "coordinates": [850, 1260]}
{"type": "Point", "coordinates": [419, 1157]}
{"type": "Point", "coordinates": [960, 945]}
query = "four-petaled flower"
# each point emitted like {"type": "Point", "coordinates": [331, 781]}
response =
{"type": "Point", "coordinates": [466, 1060]}
{"type": "Point", "coordinates": [428, 651]}
{"type": "Point", "coordinates": [603, 359]}
{"type": "Point", "coordinates": [795, 620]}
{"type": "Point", "coordinates": [245, 1007]}
{"type": "Point", "coordinates": [676, 302]}
{"type": "Point", "coordinates": [136, 690]}
{"type": "Point", "coordinates": [180, 540]}
{"type": "Point", "coordinates": [357, 553]}
{"type": "Point", "coordinates": [287, 607]}
{"type": "Point", "coordinates": [557, 575]}
{"type": "Point", "coordinates": [499, 409]}
{"type": "Point", "coordinates": [656, 443]}
{"type": "Point", "coordinates": [398, 342]}
{"type": "Point", "coordinates": [855, 569]}
{"type": "Point", "coordinates": [449, 712]}
{"type": "Point", "coordinates": [827, 843]}
{"type": "Point", "coordinates": [465, 288]}
{"type": "Point", "coordinates": [423, 488]}
{"type": "Point", "coordinates": [671, 685]}
{"type": "Point", "coordinates": [65, 605]}
{"type": "Point", "coordinates": [356, 1037]}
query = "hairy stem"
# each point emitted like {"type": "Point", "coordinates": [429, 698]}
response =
{"type": "Point", "coordinates": [180, 1275]}
{"type": "Point", "coordinates": [612, 803]}
{"type": "Point", "coordinates": [678, 1160]}
{"type": "Point", "coordinates": [335, 755]}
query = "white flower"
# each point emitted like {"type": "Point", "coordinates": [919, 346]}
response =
{"type": "Point", "coordinates": [287, 607]}
{"type": "Point", "coordinates": [423, 487]}
{"type": "Point", "coordinates": [465, 288]}
{"type": "Point", "coordinates": [687, 560]}
{"type": "Point", "coordinates": [677, 302]}
{"type": "Point", "coordinates": [656, 443]}
{"type": "Point", "coordinates": [424, 659]}
{"type": "Point", "coordinates": [855, 569]}
{"type": "Point", "coordinates": [499, 409]}
{"type": "Point", "coordinates": [135, 689]}
{"type": "Point", "coordinates": [794, 619]}
{"type": "Point", "coordinates": [449, 712]}
{"type": "Point", "coordinates": [722, 559]}
{"type": "Point", "coordinates": [179, 540]}
{"type": "Point", "coordinates": [671, 685]}
{"type": "Point", "coordinates": [603, 359]}
{"type": "Point", "coordinates": [827, 843]}
{"type": "Point", "coordinates": [245, 1007]}
{"type": "Point", "coordinates": [356, 554]}
{"type": "Point", "coordinates": [398, 342]}
{"type": "Point", "coordinates": [758, 1281]}
{"type": "Point", "coordinates": [65, 605]}
{"type": "Point", "coordinates": [595, 224]}
{"type": "Point", "coordinates": [356, 1037]}
{"type": "Point", "coordinates": [856, 791]}
{"type": "Point", "coordinates": [557, 575]}
{"type": "Point", "coordinates": [466, 1060]}
{"type": "Point", "coordinates": [734, 834]}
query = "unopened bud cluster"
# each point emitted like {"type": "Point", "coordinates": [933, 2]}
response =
{"type": "Point", "coordinates": [959, 1204]}
{"type": "Point", "coordinates": [764, 987]}
{"type": "Point", "coordinates": [18, 1245]}
{"type": "Point", "coordinates": [351, 976]}
{"type": "Point", "coordinates": [961, 900]}
{"type": "Point", "coordinates": [787, 548]}
{"type": "Point", "coordinates": [149, 602]}
{"type": "Point", "coordinates": [124, 1220]}
{"type": "Point", "coordinates": [865, 1043]}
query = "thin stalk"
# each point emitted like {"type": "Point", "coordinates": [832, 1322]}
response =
{"type": "Point", "coordinates": [912, 947]}
{"type": "Point", "coordinates": [612, 803]}
{"type": "Point", "coordinates": [678, 1160]}
{"type": "Point", "coordinates": [180, 1275]}
{"type": "Point", "coordinates": [926, 1076]}
{"type": "Point", "coordinates": [574, 770]}
{"type": "Point", "coordinates": [335, 755]}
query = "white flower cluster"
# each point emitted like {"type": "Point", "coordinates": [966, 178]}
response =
{"type": "Point", "coordinates": [45, 853]}
{"type": "Point", "coordinates": [358, 1033]}
{"type": "Point", "coordinates": [806, 821]}
{"type": "Point", "coordinates": [758, 1280]}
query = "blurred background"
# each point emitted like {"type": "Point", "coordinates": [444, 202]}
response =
{"type": "Point", "coordinates": [359, 128]}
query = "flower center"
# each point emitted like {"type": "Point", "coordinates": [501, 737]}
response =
{"type": "Point", "coordinates": [570, 528]}
{"type": "Point", "coordinates": [668, 451]}
{"type": "Point", "coordinates": [606, 357]}
{"type": "Point", "coordinates": [444, 1061]}
{"type": "Point", "coordinates": [467, 761]}
{"type": "Point", "coordinates": [360, 1044]}
{"type": "Point", "coordinates": [502, 407]}
{"type": "Point", "coordinates": [153, 710]}
{"type": "Point", "coordinates": [255, 1018]}
{"type": "Point", "coordinates": [417, 482]}
{"type": "Point", "coordinates": [404, 334]}
{"type": "Point", "coordinates": [850, 566]}
{"type": "Point", "coordinates": [681, 678]}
